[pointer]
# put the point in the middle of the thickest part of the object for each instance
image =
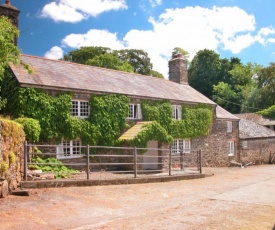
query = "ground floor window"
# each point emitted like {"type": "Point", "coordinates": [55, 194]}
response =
{"type": "Point", "coordinates": [181, 146]}
{"type": "Point", "coordinates": [69, 148]}
{"type": "Point", "coordinates": [231, 148]}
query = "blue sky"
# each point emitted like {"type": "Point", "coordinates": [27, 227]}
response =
{"type": "Point", "coordinates": [233, 28]}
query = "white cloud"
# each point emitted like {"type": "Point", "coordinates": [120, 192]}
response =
{"type": "Point", "coordinates": [93, 38]}
{"type": "Point", "coordinates": [191, 28]}
{"type": "Point", "coordinates": [54, 53]}
{"type": "Point", "coordinates": [61, 12]}
{"type": "Point", "coordinates": [75, 11]}
{"type": "Point", "coordinates": [155, 3]}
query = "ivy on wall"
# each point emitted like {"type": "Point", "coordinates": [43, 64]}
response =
{"type": "Point", "coordinates": [196, 119]}
{"type": "Point", "coordinates": [107, 117]}
{"type": "Point", "coordinates": [109, 113]}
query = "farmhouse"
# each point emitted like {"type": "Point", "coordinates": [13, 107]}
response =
{"type": "Point", "coordinates": [218, 144]}
{"type": "Point", "coordinates": [188, 123]}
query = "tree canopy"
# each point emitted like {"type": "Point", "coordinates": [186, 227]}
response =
{"type": "Point", "coordinates": [9, 51]}
{"type": "Point", "coordinates": [129, 60]}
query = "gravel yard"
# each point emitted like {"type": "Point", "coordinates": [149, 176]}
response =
{"type": "Point", "coordinates": [233, 198]}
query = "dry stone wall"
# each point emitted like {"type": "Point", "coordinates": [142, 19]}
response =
{"type": "Point", "coordinates": [12, 139]}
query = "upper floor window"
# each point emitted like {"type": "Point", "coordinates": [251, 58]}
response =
{"type": "Point", "coordinates": [229, 126]}
{"type": "Point", "coordinates": [181, 146]}
{"type": "Point", "coordinates": [69, 148]}
{"type": "Point", "coordinates": [231, 148]}
{"type": "Point", "coordinates": [134, 111]}
{"type": "Point", "coordinates": [244, 143]}
{"type": "Point", "coordinates": [80, 109]}
{"type": "Point", "coordinates": [177, 112]}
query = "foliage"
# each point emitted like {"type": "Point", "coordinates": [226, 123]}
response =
{"type": "Point", "coordinates": [8, 51]}
{"type": "Point", "coordinates": [265, 96]}
{"type": "Point", "coordinates": [110, 61]}
{"type": "Point", "coordinates": [157, 74]}
{"type": "Point", "coordinates": [152, 131]}
{"type": "Point", "coordinates": [269, 112]}
{"type": "Point", "coordinates": [196, 120]}
{"type": "Point", "coordinates": [109, 113]}
{"type": "Point", "coordinates": [31, 128]}
{"type": "Point", "coordinates": [204, 71]}
{"type": "Point", "coordinates": [177, 50]}
{"type": "Point", "coordinates": [51, 165]}
{"type": "Point", "coordinates": [138, 59]}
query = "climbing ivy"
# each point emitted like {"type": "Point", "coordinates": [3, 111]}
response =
{"type": "Point", "coordinates": [196, 119]}
{"type": "Point", "coordinates": [109, 113]}
{"type": "Point", "coordinates": [107, 119]}
{"type": "Point", "coordinates": [151, 132]}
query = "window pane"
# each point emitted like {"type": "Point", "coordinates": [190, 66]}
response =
{"type": "Point", "coordinates": [66, 148]}
{"type": "Point", "coordinates": [74, 108]}
{"type": "Point", "coordinates": [76, 147]}
{"type": "Point", "coordinates": [84, 108]}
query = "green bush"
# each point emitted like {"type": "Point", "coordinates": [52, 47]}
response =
{"type": "Point", "coordinates": [31, 128]}
{"type": "Point", "coordinates": [51, 165]}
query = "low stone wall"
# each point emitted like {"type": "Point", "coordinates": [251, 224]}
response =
{"type": "Point", "coordinates": [12, 139]}
{"type": "Point", "coordinates": [258, 151]}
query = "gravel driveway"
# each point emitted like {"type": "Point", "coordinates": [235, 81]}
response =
{"type": "Point", "coordinates": [233, 198]}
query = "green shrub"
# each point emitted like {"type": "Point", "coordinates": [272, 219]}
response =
{"type": "Point", "coordinates": [51, 165]}
{"type": "Point", "coordinates": [31, 128]}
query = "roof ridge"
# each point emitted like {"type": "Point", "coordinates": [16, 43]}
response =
{"type": "Point", "coordinates": [91, 66]}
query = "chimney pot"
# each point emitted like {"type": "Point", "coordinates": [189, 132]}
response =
{"type": "Point", "coordinates": [8, 2]}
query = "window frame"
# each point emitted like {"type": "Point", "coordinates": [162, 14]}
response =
{"type": "Point", "coordinates": [69, 149]}
{"type": "Point", "coordinates": [231, 148]}
{"type": "Point", "coordinates": [177, 113]}
{"type": "Point", "coordinates": [229, 126]}
{"type": "Point", "coordinates": [245, 144]}
{"type": "Point", "coordinates": [181, 146]}
{"type": "Point", "coordinates": [134, 112]}
{"type": "Point", "coordinates": [79, 110]}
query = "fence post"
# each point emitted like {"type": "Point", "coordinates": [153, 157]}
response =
{"type": "Point", "coordinates": [135, 162]}
{"type": "Point", "coordinates": [25, 160]}
{"type": "Point", "coordinates": [200, 157]}
{"type": "Point", "coordinates": [170, 161]}
{"type": "Point", "coordinates": [88, 162]}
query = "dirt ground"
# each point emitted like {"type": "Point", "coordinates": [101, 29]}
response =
{"type": "Point", "coordinates": [233, 198]}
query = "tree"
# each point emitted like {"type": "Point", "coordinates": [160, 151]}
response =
{"type": "Point", "coordinates": [8, 51]}
{"type": "Point", "coordinates": [109, 61]}
{"type": "Point", "coordinates": [265, 96]}
{"type": "Point", "coordinates": [157, 74]}
{"type": "Point", "coordinates": [138, 59]}
{"type": "Point", "coordinates": [85, 53]}
{"type": "Point", "coordinates": [119, 59]}
{"type": "Point", "coordinates": [177, 50]}
{"type": "Point", "coordinates": [204, 71]}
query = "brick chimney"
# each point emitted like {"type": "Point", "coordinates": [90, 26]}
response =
{"type": "Point", "coordinates": [178, 69]}
{"type": "Point", "coordinates": [10, 12]}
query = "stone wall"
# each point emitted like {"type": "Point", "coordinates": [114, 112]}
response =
{"type": "Point", "coordinates": [214, 147]}
{"type": "Point", "coordinates": [12, 139]}
{"type": "Point", "coordinates": [257, 151]}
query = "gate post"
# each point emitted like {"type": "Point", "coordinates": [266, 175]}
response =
{"type": "Point", "coordinates": [135, 162]}
{"type": "Point", "coordinates": [88, 162]}
{"type": "Point", "coordinates": [170, 160]}
{"type": "Point", "coordinates": [25, 160]}
{"type": "Point", "coordinates": [200, 159]}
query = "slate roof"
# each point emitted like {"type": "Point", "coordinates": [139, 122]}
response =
{"type": "Point", "coordinates": [251, 130]}
{"type": "Point", "coordinates": [221, 113]}
{"type": "Point", "coordinates": [257, 118]}
{"type": "Point", "coordinates": [68, 76]}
